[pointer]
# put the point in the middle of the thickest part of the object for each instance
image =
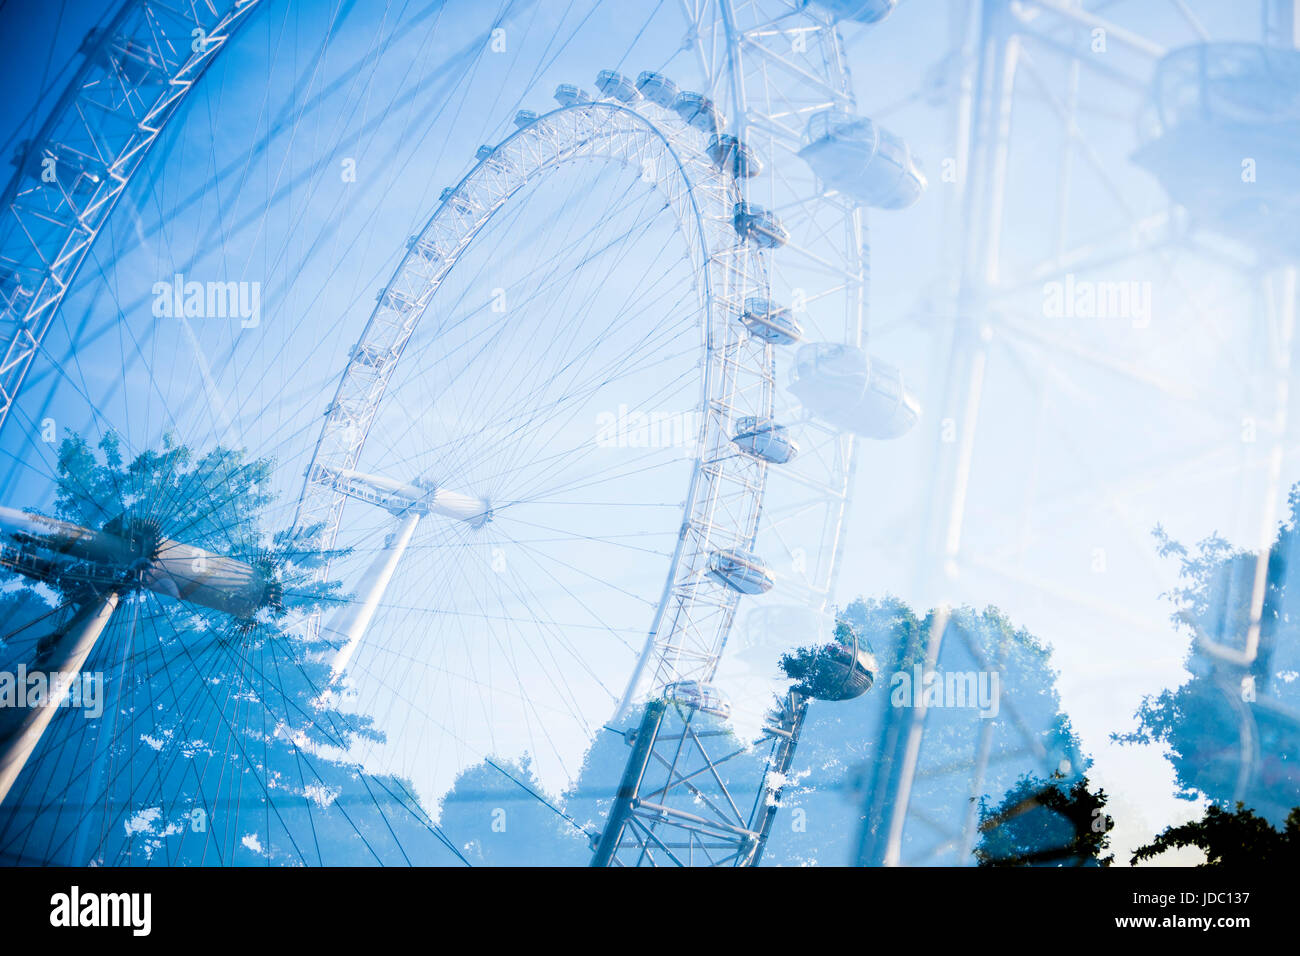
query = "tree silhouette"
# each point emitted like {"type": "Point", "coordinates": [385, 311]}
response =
{"type": "Point", "coordinates": [499, 813]}
{"type": "Point", "coordinates": [1045, 823]}
{"type": "Point", "coordinates": [504, 817]}
{"type": "Point", "coordinates": [1232, 838]}
{"type": "Point", "coordinates": [1232, 730]}
{"type": "Point", "coordinates": [847, 757]}
{"type": "Point", "coordinates": [220, 741]}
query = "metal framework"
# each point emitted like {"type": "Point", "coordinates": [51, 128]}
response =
{"type": "Point", "coordinates": [103, 567]}
{"type": "Point", "coordinates": [680, 758]}
{"type": "Point", "coordinates": [137, 73]}
{"type": "Point", "coordinates": [1010, 58]}
{"type": "Point", "coordinates": [723, 502]}
{"type": "Point", "coordinates": [772, 65]}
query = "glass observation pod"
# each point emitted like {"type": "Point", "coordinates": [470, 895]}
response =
{"type": "Point", "coordinates": [657, 88]}
{"type": "Point", "coordinates": [763, 438]}
{"type": "Point", "coordinates": [566, 94]}
{"type": "Point", "coordinates": [370, 356]}
{"type": "Point", "coordinates": [759, 226]}
{"type": "Point", "coordinates": [484, 154]}
{"type": "Point", "coordinates": [840, 671]}
{"type": "Point", "coordinates": [77, 172]}
{"type": "Point", "coordinates": [700, 696]}
{"type": "Point", "coordinates": [861, 11]}
{"type": "Point", "coordinates": [770, 322]}
{"type": "Point", "coordinates": [741, 571]}
{"type": "Point", "coordinates": [13, 294]}
{"type": "Point", "coordinates": [615, 84]}
{"type": "Point", "coordinates": [457, 201]}
{"type": "Point", "coordinates": [1212, 108]}
{"type": "Point", "coordinates": [423, 249]}
{"type": "Point", "coordinates": [697, 110]}
{"type": "Point", "coordinates": [858, 158]}
{"type": "Point", "coordinates": [136, 62]}
{"type": "Point", "coordinates": [395, 300]}
{"type": "Point", "coordinates": [732, 156]}
{"type": "Point", "coordinates": [847, 388]}
{"type": "Point", "coordinates": [524, 118]}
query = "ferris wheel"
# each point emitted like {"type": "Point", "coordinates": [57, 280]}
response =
{"type": "Point", "coordinates": [609, 394]}
{"type": "Point", "coordinates": [1156, 116]}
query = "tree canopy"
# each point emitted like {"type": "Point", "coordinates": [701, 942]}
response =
{"type": "Point", "coordinates": [1045, 823]}
{"type": "Point", "coordinates": [1232, 729]}
{"type": "Point", "coordinates": [219, 741]}
{"type": "Point", "coordinates": [1231, 838]}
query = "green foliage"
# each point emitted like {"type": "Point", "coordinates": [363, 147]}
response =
{"type": "Point", "coordinates": [1045, 823]}
{"type": "Point", "coordinates": [496, 812]}
{"type": "Point", "coordinates": [1230, 729]}
{"type": "Point", "coordinates": [850, 750]}
{"type": "Point", "coordinates": [226, 723]}
{"type": "Point", "coordinates": [214, 501]}
{"type": "Point", "coordinates": [1232, 838]}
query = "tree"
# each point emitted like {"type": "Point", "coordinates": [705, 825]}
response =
{"type": "Point", "coordinates": [1045, 823]}
{"type": "Point", "coordinates": [840, 749]}
{"type": "Point", "coordinates": [220, 741]}
{"type": "Point", "coordinates": [502, 816]}
{"type": "Point", "coordinates": [1232, 838]}
{"type": "Point", "coordinates": [843, 775]}
{"type": "Point", "coordinates": [837, 670]}
{"type": "Point", "coordinates": [1232, 729]}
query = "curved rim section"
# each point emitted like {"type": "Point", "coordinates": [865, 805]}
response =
{"type": "Point", "coordinates": [774, 63]}
{"type": "Point", "coordinates": [95, 139]}
{"type": "Point", "coordinates": [723, 501]}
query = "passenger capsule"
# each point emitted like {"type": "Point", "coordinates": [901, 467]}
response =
{"type": "Point", "coordinates": [770, 322]}
{"type": "Point", "coordinates": [733, 157]}
{"type": "Point", "coordinates": [566, 94]}
{"type": "Point", "coordinates": [618, 86]}
{"type": "Point", "coordinates": [525, 118]}
{"type": "Point", "coordinates": [75, 172]}
{"type": "Point", "coordinates": [394, 299]}
{"type": "Point", "coordinates": [741, 571]}
{"type": "Point", "coordinates": [763, 438]}
{"type": "Point", "coordinates": [841, 670]}
{"type": "Point", "coordinates": [861, 11]}
{"type": "Point", "coordinates": [1210, 105]}
{"type": "Point", "coordinates": [14, 295]}
{"type": "Point", "coordinates": [847, 388]}
{"type": "Point", "coordinates": [759, 226]}
{"type": "Point", "coordinates": [372, 356]}
{"type": "Point", "coordinates": [858, 158]}
{"type": "Point", "coordinates": [700, 696]}
{"type": "Point", "coordinates": [657, 88]}
{"type": "Point", "coordinates": [697, 110]}
{"type": "Point", "coordinates": [424, 249]}
{"type": "Point", "coordinates": [136, 62]}
{"type": "Point", "coordinates": [457, 202]}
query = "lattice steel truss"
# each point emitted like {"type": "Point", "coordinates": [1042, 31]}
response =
{"type": "Point", "coordinates": [723, 503]}
{"type": "Point", "coordinates": [681, 758]}
{"type": "Point", "coordinates": [771, 64]}
{"type": "Point", "coordinates": [1043, 52]}
{"type": "Point", "coordinates": [137, 73]}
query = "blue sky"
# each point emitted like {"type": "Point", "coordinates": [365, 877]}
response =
{"type": "Point", "coordinates": [1091, 430]}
